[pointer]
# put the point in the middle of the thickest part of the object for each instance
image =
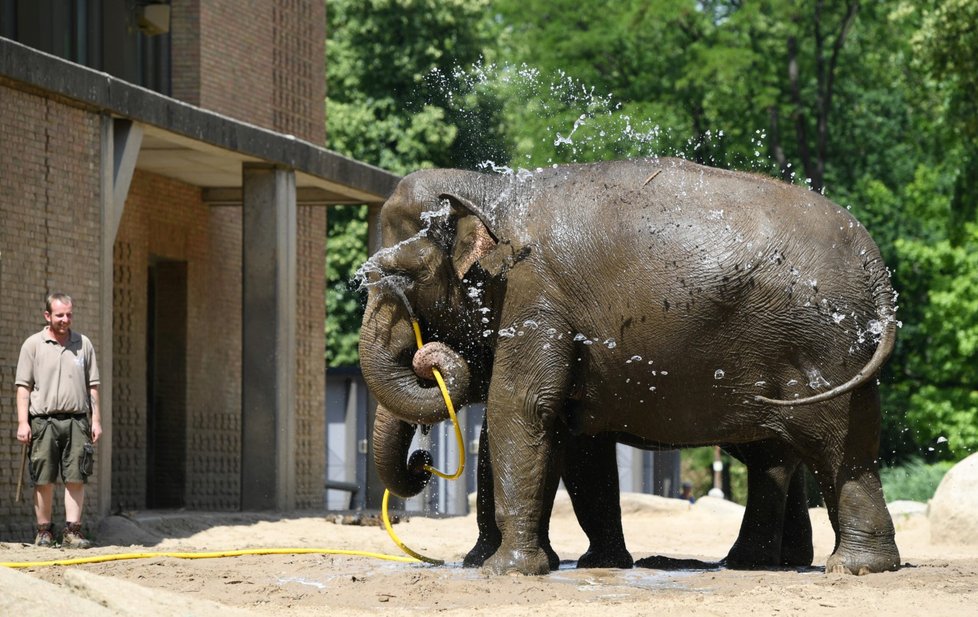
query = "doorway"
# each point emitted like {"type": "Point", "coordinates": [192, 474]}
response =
{"type": "Point", "coordinates": [166, 384]}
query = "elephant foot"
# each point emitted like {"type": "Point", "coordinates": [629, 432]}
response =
{"type": "Point", "coordinates": [484, 549]}
{"type": "Point", "coordinates": [747, 556]}
{"type": "Point", "coordinates": [861, 553]}
{"type": "Point", "coordinates": [530, 562]}
{"type": "Point", "coordinates": [553, 559]}
{"type": "Point", "coordinates": [797, 555]}
{"type": "Point", "coordinates": [616, 557]}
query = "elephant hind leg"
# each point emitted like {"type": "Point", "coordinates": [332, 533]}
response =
{"type": "Point", "coordinates": [848, 475]}
{"type": "Point", "coordinates": [489, 536]}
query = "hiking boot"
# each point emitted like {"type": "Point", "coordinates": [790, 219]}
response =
{"type": "Point", "coordinates": [44, 536]}
{"type": "Point", "coordinates": [73, 538]}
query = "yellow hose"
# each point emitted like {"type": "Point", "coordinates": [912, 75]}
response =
{"type": "Point", "coordinates": [203, 555]}
{"type": "Point", "coordinates": [414, 556]}
{"type": "Point", "coordinates": [454, 476]}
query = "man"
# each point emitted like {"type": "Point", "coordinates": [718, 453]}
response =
{"type": "Point", "coordinates": [57, 386]}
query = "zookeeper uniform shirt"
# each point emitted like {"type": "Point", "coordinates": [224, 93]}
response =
{"type": "Point", "coordinates": [59, 376]}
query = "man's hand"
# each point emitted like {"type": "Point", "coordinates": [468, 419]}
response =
{"type": "Point", "coordinates": [24, 432]}
{"type": "Point", "coordinates": [96, 430]}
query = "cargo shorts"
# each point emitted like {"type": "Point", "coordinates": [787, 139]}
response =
{"type": "Point", "coordinates": [61, 445]}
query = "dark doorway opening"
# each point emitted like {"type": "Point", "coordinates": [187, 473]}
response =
{"type": "Point", "coordinates": [166, 381]}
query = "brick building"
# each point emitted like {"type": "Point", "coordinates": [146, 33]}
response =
{"type": "Point", "coordinates": [164, 163]}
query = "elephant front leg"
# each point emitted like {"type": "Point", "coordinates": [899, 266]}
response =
{"type": "Point", "coordinates": [590, 473]}
{"type": "Point", "coordinates": [771, 471]}
{"type": "Point", "coordinates": [527, 388]}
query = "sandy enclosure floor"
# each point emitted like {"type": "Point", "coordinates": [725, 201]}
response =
{"type": "Point", "coordinates": [936, 580]}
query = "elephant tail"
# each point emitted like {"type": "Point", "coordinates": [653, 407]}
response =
{"type": "Point", "coordinates": [888, 323]}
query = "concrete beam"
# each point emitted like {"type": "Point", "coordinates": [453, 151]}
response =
{"type": "Point", "coordinates": [305, 196]}
{"type": "Point", "coordinates": [268, 363]}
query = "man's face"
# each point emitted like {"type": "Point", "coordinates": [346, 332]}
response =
{"type": "Point", "coordinates": [59, 318]}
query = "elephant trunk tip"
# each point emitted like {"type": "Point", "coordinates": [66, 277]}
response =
{"type": "Point", "coordinates": [419, 475]}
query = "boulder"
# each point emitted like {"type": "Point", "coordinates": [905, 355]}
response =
{"type": "Point", "coordinates": [953, 511]}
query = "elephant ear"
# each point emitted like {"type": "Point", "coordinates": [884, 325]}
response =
{"type": "Point", "coordinates": [474, 241]}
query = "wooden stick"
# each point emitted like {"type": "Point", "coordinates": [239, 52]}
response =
{"type": "Point", "coordinates": [654, 174]}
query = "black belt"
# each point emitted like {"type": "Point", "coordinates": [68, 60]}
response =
{"type": "Point", "coordinates": [62, 416]}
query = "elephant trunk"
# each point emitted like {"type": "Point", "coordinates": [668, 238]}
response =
{"type": "Point", "coordinates": [387, 349]}
{"type": "Point", "coordinates": [392, 438]}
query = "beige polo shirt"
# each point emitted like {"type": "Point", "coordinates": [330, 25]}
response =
{"type": "Point", "coordinates": [59, 377]}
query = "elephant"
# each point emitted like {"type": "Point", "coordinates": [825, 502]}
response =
{"type": "Point", "coordinates": [656, 301]}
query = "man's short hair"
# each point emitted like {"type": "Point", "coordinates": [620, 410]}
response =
{"type": "Point", "coordinates": [63, 298]}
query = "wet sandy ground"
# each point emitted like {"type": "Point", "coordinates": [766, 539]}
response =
{"type": "Point", "coordinates": [937, 580]}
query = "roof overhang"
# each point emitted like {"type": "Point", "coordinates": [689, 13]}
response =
{"type": "Point", "coordinates": [194, 145]}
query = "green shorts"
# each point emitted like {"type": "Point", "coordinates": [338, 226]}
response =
{"type": "Point", "coordinates": [61, 445]}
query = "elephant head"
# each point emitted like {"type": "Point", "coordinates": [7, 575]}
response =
{"type": "Point", "coordinates": [438, 267]}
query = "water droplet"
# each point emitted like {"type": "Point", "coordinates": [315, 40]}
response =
{"type": "Point", "coordinates": [718, 374]}
{"type": "Point", "coordinates": [760, 384]}
{"type": "Point", "coordinates": [793, 382]}
{"type": "Point", "coordinates": [838, 317]}
{"type": "Point", "coordinates": [507, 332]}
{"type": "Point", "coordinates": [610, 343]}
{"type": "Point", "coordinates": [633, 359]}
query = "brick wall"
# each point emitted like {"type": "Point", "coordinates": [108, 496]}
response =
{"type": "Point", "coordinates": [49, 240]}
{"type": "Point", "coordinates": [310, 471]}
{"type": "Point", "coordinates": [166, 219]}
{"type": "Point", "coordinates": [299, 97]}
{"type": "Point", "coordinates": [259, 61]}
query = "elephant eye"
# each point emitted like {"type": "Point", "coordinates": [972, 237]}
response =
{"type": "Point", "coordinates": [443, 234]}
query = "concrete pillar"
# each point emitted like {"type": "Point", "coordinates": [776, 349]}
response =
{"type": "Point", "coordinates": [120, 143]}
{"type": "Point", "coordinates": [268, 364]}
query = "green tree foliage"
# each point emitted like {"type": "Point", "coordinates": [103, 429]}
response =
{"type": "Point", "coordinates": [391, 74]}
{"type": "Point", "coordinates": [346, 250]}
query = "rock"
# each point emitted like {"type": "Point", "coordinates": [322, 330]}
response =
{"type": "Point", "coordinates": [631, 503]}
{"type": "Point", "coordinates": [123, 531]}
{"type": "Point", "coordinates": [716, 505]}
{"type": "Point", "coordinates": [953, 511]}
{"type": "Point", "coordinates": [903, 508]}
{"type": "Point", "coordinates": [639, 503]}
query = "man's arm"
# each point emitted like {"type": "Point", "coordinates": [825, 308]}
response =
{"type": "Point", "coordinates": [23, 422]}
{"type": "Point", "coordinates": [96, 414]}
